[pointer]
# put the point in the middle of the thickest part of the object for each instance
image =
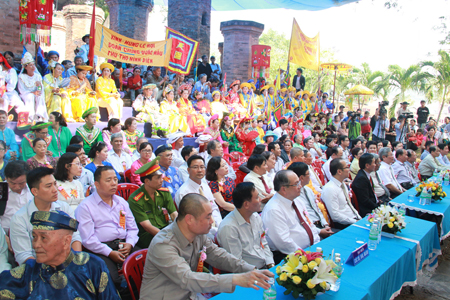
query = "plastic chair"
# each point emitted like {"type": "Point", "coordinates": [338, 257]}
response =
{"type": "Point", "coordinates": [239, 177]}
{"type": "Point", "coordinates": [238, 156]}
{"type": "Point", "coordinates": [128, 175]}
{"type": "Point", "coordinates": [228, 157]}
{"type": "Point", "coordinates": [354, 201]}
{"type": "Point", "coordinates": [133, 270]}
{"type": "Point", "coordinates": [124, 190]}
{"type": "Point", "coordinates": [236, 165]}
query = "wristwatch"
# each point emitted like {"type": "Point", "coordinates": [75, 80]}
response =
{"type": "Point", "coordinates": [269, 266]}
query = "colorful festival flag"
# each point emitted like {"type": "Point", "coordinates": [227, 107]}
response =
{"type": "Point", "coordinates": [92, 38]}
{"type": "Point", "coordinates": [35, 18]}
{"type": "Point", "coordinates": [278, 112]}
{"type": "Point", "coordinates": [303, 50]}
{"type": "Point", "coordinates": [183, 52]}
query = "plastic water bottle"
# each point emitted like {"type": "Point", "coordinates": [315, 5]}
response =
{"type": "Point", "coordinates": [446, 179]}
{"type": "Point", "coordinates": [338, 271]}
{"type": "Point", "coordinates": [435, 173]}
{"type": "Point", "coordinates": [373, 237]}
{"type": "Point", "coordinates": [378, 223]}
{"type": "Point", "coordinates": [402, 209]}
{"type": "Point", "coordinates": [423, 197]}
{"type": "Point", "coordinates": [271, 293]}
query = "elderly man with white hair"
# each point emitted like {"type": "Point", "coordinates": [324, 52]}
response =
{"type": "Point", "coordinates": [119, 159]}
{"type": "Point", "coordinates": [177, 143]}
{"type": "Point", "coordinates": [387, 173]}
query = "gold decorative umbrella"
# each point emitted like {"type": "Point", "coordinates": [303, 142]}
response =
{"type": "Point", "coordinates": [359, 90]}
{"type": "Point", "coordinates": [336, 67]}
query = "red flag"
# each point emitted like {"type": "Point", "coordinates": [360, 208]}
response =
{"type": "Point", "coordinates": [92, 38]}
{"type": "Point", "coordinates": [224, 81]}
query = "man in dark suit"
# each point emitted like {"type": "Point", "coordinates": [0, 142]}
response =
{"type": "Point", "coordinates": [299, 80]}
{"type": "Point", "coordinates": [204, 68]}
{"type": "Point", "coordinates": [362, 185]}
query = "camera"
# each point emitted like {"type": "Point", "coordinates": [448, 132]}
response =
{"type": "Point", "coordinates": [408, 115]}
{"type": "Point", "coordinates": [383, 105]}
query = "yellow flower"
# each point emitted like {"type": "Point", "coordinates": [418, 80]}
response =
{"type": "Point", "coordinates": [445, 194]}
{"type": "Point", "coordinates": [318, 260]}
{"type": "Point", "coordinates": [296, 279]}
{"type": "Point", "coordinates": [278, 270]}
{"type": "Point", "coordinates": [304, 260]}
{"type": "Point", "coordinates": [310, 285]}
{"type": "Point", "coordinates": [283, 277]}
{"type": "Point", "coordinates": [312, 265]}
{"type": "Point", "coordinates": [323, 284]}
{"type": "Point", "coordinates": [433, 189]}
{"type": "Point", "coordinates": [391, 219]}
{"type": "Point", "coordinates": [305, 269]}
{"type": "Point", "coordinates": [390, 225]}
{"type": "Point", "coordinates": [432, 194]}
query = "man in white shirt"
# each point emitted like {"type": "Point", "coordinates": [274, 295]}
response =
{"type": "Point", "coordinates": [258, 176]}
{"type": "Point", "coordinates": [87, 177]}
{"type": "Point", "coordinates": [195, 184]}
{"type": "Point", "coordinates": [387, 174]}
{"type": "Point", "coordinates": [282, 128]}
{"type": "Point", "coordinates": [187, 152]}
{"type": "Point", "coordinates": [242, 233]}
{"type": "Point", "coordinates": [336, 152]}
{"type": "Point", "coordinates": [18, 192]}
{"type": "Point", "coordinates": [411, 165]}
{"type": "Point", "coordinates": [136, 155]}
{"type": "Point", "coordinates": [216, 71]}
{"type": "Point", "coordinates": [285, 217]}
{"type": "Point", "coordinates": [43, 187]}
{"type": "Point", "coordinates": [315, 180]}
{"type": "Point", "coordinates": [177, 143]}
{"type": "Point", "coordinates": [430, 164]}
{"type": "Point", "coordinates": [275, 149]}
{"type": "Point", "coordinates": [381, 126]}
{"type": "Point", "coordinates": [309, 199]}
{"type": "Point", "coordinates": [336, 198]}
{"type": "Point", "coordinates": [309, 145]}
{"type": "Point", "coordinates": [344, 142]}
{"type": "Point", "coordinates": [215, 148]}
{"type": "Point", "coordinates": [119, 159]}
{"type": "Point", "coordinates": [442, 158]}
{"type": "Point", "coordinates": [401, 171]}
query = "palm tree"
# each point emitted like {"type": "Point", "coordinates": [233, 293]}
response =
{"type": "Point", "coordinates": [439, 76]}
{"type": "Point", "coordinates": [403, 80]}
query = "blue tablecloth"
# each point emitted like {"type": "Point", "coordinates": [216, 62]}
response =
{"type": "Point", "coordinates": [439, 208]}
{"type": "Point", "coordinates": [382, 274]}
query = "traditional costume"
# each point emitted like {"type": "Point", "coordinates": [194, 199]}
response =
{"type": "Point", "coordinates": [227, 135]}
{"type": "Point", "coordinates": [8, 83]}
{"type": "Point", "coordinates": [58, 101]}
{"type": "Point", "coordinates": [131, 138]}
{"type": "Point", "coordinates": [107, 94]}
{"type": "Point", "coordinates": [81, 94]}
{"type": "Point", "coordinates": [215, 133]}
{"type": "Point", "coordinates": [35, 105]}
{"type": "Point", "coordinates": [217, 106]}
{"type": "Point", "coordinates": [170, 108]}
{"type": "Point", "coordinates": [27, 142]}
{"type": "Point", "coordinates": [235, 103]}
{"type": "Point", "coordinates": [89, 135]}
{"type": "Point", "coordinates": [246, 136]}
{"type": "Point", "coordinates": [195, 121]}
{"type": "Point", "coordinates": [59, 140]}
{"type": "Point", "coordinates": [80, 276]}
{"type": "Point", "coordinates": [149, 110]}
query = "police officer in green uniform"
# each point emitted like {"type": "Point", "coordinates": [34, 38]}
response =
{"type": "Point", "coordinates": [151, 204]}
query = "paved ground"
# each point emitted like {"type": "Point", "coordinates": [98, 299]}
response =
{"type": "Point", "coordinates": [432, 286]}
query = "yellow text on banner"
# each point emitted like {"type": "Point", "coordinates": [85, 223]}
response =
{"type": "Point", "coordinates": [304, 51]}
{"type": "Point", "coordinates": [117, 47]}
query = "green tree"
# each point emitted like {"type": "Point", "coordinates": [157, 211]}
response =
{"type": "Point", "coordinates": [439, 75]}
{"type": "Point", "coordinates": [402, 80]}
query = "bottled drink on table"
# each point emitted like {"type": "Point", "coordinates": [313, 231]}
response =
{"type": "Point", "coordinates": [338, 271]}
{"type": "Point", "coordinates": [373, 237]}
{"type": "Point", "coordinates": [402, 209]}
{"type": "Point", "coordinates": [379, 225]}
{"type": "Point", "coordinates": [446, 179]}
{"type": "Point", "coordinates": [425, 197]}
{"type": "Point", "coordinates": [271, 293]}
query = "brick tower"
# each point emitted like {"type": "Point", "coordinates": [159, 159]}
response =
{"type": "Point", "coordinates": [130, 17]}
{"type": "Point", "coordinates": [193, 19]}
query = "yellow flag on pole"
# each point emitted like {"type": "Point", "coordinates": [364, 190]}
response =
{"type": "Point", "coordinates": [304, 51]}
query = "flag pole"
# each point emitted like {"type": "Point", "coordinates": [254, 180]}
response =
{"type": "Point", "coordinates": [318, 68]}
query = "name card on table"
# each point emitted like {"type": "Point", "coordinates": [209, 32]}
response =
{"type": "Point", "coordinates": [358, 255]}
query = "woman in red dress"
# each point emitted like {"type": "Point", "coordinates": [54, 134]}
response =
{"type": "Point", "coordinates": [245, 136]}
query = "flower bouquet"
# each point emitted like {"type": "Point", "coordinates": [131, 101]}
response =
{"type": "Point", "coordinates": [306, 273]}
{"type": "Point", "coordinates": [436, 190]}
{"type": "Point", "coordinates": [392, 221]}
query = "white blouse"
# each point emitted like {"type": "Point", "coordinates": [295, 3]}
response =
{"type": "Point", "coordinates": [70, 192]}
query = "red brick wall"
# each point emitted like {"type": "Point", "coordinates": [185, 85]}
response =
{"type": "Point", "coordinates": [9, 33]}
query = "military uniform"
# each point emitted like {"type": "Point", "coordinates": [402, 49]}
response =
{"type": "Point", "coordinates": [157, 211]}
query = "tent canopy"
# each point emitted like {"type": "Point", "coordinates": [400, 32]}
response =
{"type": "Point", "coordinates": [225, 5]}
